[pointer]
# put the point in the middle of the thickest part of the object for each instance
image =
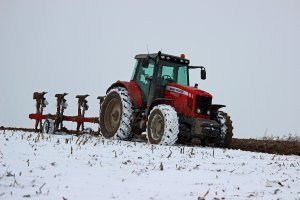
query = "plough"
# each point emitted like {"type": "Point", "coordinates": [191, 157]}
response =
{"type": "Point", "coordinates": [54, 122]}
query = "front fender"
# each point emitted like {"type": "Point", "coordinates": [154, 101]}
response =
{"type": "Point", "coordinates": [215, 107]}
{"type": "Point", "coordinates": [160, 101]}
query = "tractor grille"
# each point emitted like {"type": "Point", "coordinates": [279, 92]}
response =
{"type": "Point", "coordinates": [203, 103]}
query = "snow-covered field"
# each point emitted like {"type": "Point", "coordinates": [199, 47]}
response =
{"type": "Point", "coordinates": [33, 166]}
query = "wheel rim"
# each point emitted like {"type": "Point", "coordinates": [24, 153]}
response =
{"type": "Point", "coordinates": [112, 115]}
{"type": "Point", "coordinates": [157, 127]}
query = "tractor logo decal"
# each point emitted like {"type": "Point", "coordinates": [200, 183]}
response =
{"type": "Point", "coordinates": [177, 90]}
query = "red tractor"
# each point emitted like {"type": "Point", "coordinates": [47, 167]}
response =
{"type": "Point", "coordinates": [159, 101]}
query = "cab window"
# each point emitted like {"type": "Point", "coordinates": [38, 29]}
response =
{"type": "Point", "coordinates": [142, 78]}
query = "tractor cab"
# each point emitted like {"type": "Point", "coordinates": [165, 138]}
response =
{"type": "Point", "coordinates": [157, 70]}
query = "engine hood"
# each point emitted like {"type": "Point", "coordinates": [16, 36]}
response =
{"type": "Point", "coordinates": [187, 90]}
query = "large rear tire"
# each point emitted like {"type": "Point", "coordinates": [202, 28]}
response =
{"type": "Point", "coordinates": [226, 129]}
{"type": "Point", "coordinates": [116, 114]}
{"type": "Point", "coordinates": [162, 126]}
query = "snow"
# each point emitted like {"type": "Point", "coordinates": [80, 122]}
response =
{"type": "Point", "coordinates": [35, 166]}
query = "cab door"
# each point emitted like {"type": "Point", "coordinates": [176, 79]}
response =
{"type": "Point", "coordinates": [142, 76]}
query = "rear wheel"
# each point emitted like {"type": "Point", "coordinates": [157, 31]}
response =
{"type": "Point", "coordinates": [162, 127]}
{"type": "Point", "coordinates": [48, 126]}
{"type": "Point", "coordinates": [226, 129]}
{"type": "Point", "coordinates": [116, 114]}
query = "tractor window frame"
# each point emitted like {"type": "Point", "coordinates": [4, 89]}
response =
{"type": "Point", "coordinates": [134, 74]}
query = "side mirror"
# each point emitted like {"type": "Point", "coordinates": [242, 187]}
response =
{"type": "Point", "coordinates": [203, 74]}
{"type": "Point", "coordinates": [145, 63]}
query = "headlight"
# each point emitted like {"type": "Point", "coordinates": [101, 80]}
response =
{"type": "Point", "coordinates": [208, 112]}
{"type": "Point", "coordinates": [198, 111]}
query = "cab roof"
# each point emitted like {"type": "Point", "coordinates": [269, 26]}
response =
{"type": "Point", "coordinates": [165, 57]}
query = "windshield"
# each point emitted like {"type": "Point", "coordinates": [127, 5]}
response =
{"type": "Point", "coordinates": [174, 73]}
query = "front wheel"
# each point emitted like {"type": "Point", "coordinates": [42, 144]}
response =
{"type": "Point", "coordinates": [162, 126]}
{"type": "Point", "coordinates": [226, 134]}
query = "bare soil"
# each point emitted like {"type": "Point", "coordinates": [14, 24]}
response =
{"type": "Point", "coordinates": [267, 146]}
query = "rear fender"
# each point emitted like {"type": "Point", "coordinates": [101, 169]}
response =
{"type": "Point", "coordinates": [123, 84]}
{"type": "Point", "coordinates": [134, 91]}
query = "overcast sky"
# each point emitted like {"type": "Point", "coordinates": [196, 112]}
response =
{"type": "Point", "coordinates": [251, 50]}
